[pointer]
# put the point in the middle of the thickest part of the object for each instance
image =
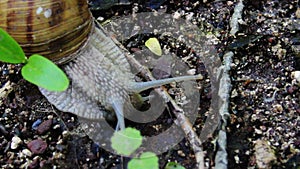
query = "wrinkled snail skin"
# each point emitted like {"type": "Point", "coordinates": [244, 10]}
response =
{"type": "Point", "coordinates": [96, 78]}
{"type": "Point", "coordinates": [98, 70]}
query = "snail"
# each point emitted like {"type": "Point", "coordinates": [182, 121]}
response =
{"type": "Point", "coordinates": [65, 32]}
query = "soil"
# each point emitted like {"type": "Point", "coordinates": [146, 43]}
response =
{"type": "Point", "coordinates": [263, 128]}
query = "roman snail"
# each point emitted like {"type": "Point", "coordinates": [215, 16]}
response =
{"type": "Point", "coordinates": [65, 32]}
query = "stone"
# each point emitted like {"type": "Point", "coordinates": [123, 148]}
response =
{"type": "Point", "coordinates": [44, 126]}
{"type": "Point", "coordinates": [37, 146]}
{"type": "Point", "coordinates": [15, 141]}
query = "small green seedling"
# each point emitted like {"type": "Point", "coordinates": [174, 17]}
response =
{"type": "Point", "coordinates": [153, 45]}
{"type": "Point", "coordinates": [174, 165]}
{"type": "Point", "coordinates": [126, 141]}
{"type": "Point", "coordinates": [37, 69]}
{"type": "Point", "coordinates": [147, 160]}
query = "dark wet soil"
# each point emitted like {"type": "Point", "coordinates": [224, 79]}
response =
{"type": "Point", "coordinates": [264, 103]}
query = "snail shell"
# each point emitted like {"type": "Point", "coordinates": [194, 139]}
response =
{"type": "Point", "coordinates": [64, 30]}
{"type": "Point", "coordinates": [55, 29]}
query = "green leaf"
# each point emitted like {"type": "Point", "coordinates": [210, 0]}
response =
{"type": "Point", "coordinates": [126, 141]}
{"type": "Point", "coordinates": [44, 73]}
{"type": "Point", "coordinates": [147, 160]}
{"type": "Point", "coordinates": [174, 165]}
{"type": "Point", "coordinates": [153, 45]}
{"type": "Point", "coordinates": [10, 51]}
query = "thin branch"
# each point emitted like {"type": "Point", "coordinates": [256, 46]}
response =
{"type": "Point", "coordinates": [181, 119]}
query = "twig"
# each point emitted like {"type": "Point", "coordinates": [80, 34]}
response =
{"type": "Point", "coordinates": [181, 119]}
{"type": "Point", "coordinates": [236, 18]}
{"type": "Point", "coordinates": [224, 94]}
{"type": "Point", "coordinates": [191, 135]}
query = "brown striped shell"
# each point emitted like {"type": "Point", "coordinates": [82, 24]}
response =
{"type": "Point", "coordinates": [55, 29]}
{"type": "Point", "coordinates": [101, 76]}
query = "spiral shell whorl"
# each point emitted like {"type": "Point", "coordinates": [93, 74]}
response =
{"type": "Point", "coordinates": [53, 28]}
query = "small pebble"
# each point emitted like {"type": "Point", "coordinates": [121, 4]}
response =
{"type": "Point", "coordinates": [36, 124]}
{"type": "Point", "coordinates": [100, 18]}
{"type": "Point", "coordinates": [27, 152]}
{"type": "Point", "coordinates": [65, 133]}
{"type": "Point", "coordinates": [237, 159]}
{"type": "Point", "coordinates": [44, 127]}
{"type": "Point", "coordinates": [298, 13]}
{"type": "Point", "coordinates": [191, 71]}
{"type": "Point", "coordinates": [264, 154]}
{"type": "Point", "coordinates": [296, 75]}
{"type": "Point", "coordinates": [56, 126]}
{"type": "Point", "coordinates": [15, 141]}
{"type": "Point", "coordinates": [35, 163]}
{"type": "Point", "coordinates": [230, 3]}
{"type": "Point", "coordinates": [176, 15]}
{"type": "Point", "coordinates": [180, 153]}
{"type": "Point", "coordinates": [37, 146]}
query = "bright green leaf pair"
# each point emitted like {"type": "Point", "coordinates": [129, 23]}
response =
{"type": "Point", "coordinates": [37, 69]}
{"type": "Point", "coordinates": [126, 142]}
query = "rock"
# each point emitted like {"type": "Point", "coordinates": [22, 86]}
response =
{"type": "Point", "coordinates": [36, 124]}
{"type": "Point", "coordinates": [37, 146]}
{"type": "Point", "coordinates": [15, 141]}
{"type": "Point", "coordinates": [27, 152]}
{"type": "Point", "coordinates": [298, 13]}
{"type": "Point", "coordinates": [44, 127]}
{"type": "Point", "coordinates": [296, 75]}
{"type": "Point", "coordinates": [6, 89]}
{"type": "Point", "coordinates": [264, 154]}
{"type": "Point", "coordinates": [34, 163]}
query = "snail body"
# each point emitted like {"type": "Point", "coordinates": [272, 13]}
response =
{"type": "Point", "coordinates": [98, 70]}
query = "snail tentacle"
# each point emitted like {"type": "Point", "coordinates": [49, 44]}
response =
{"type": "Point", "coordinates": [141, 86]}
{"type": "Point", "coordinates": [118, 108]}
